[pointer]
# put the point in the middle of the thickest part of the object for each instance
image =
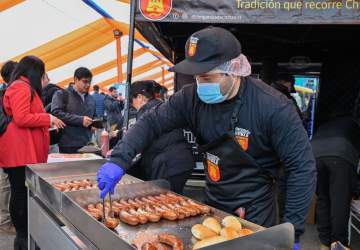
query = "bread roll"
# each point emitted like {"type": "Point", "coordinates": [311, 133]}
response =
{"type": "Point", "coordinates": [208, 242]}
{"type": "Point", "coordinates": [229, 233]}
{"type": "Point", "coordinates": [233, 222]}
{"type": "Point", "coordinates": [213, 224]}
{"type": "Point", "coordinates": [201, 232]}
{"type": "Point", "coordinates": [245, 231]}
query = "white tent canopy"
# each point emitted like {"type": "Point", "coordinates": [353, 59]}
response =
{"type": "Point", "coordinates": [68, 34]}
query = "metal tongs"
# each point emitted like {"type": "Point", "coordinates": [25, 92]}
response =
{"type": "Point", "coordinates": [111, 210]}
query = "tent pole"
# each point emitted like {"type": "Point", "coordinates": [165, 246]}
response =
{"type": "Point", "coordinates": [118, 34]}
{"type": "Point", "coordinates": [162, 76]}
{"type": "Point", "coordinates": [129, 65]}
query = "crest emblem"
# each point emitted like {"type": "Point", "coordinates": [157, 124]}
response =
{"type": "Point", "coordinates": [192, 46]}
{"type": "Point", "coordinates": [155, 9]}
{"type": "Point", "coordinates": [213, 168]}
{"type": "Point", "coordinates": [242, 137]}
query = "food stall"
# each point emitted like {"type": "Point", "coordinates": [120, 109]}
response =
{"type": "Point", "coordinates": [62, 198]}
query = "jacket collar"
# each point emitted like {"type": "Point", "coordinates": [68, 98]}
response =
{"type": "Point", "coordinates": [72, 89]}
{"type": "Point", "coordinates": [24, 79]}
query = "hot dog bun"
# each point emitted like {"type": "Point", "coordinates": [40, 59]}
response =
{"type": "Point", "coordinates": [213, 224]}
{"type": "Point", "coordinates": [233, 222]}
{"type": "Point", "coordinates": [229, 233]}
{"type": "Point", "coordinates": [208, 242]}
{"type": "Point", "coordinates": [202, 232]}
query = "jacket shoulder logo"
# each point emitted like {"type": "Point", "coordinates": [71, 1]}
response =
{"type": "Point", "coordinates": [213, 167]}
{"type": "Point", "coordinates": [242, 137]}
{"type": "Point", "coordinates": [192, 46]}
{"type": "Point", "coordinates": [155, 9]}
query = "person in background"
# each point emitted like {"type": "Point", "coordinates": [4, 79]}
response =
{"type": "Point", "coordinates": [170, 156]}
{"type": "Point", "coordinates": [26, 139]}
{"type": "Point", "coordinates": [6, 226]}
{"type": "Point", "coordinates": [114, 105]}
{"type": "Point", "coordinates": [99, 102]}
{"type": "Point", "coordinates": [6, 71]}
{"type": "Point", "coordinates": [160, 91]}
{"type": "Point", "coordinates": [77, 109]}
{"type": "Point", "coordinates": [285, 83]}
{"type": "Point", "coordinates": [336, 149]}
{"type": "Point", "coordinates": [48, 91]}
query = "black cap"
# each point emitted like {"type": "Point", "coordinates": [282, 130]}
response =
{"type": "Point", "coordinates": [207, 49]}
{"type": "Point", "coordinates": [142, 87]}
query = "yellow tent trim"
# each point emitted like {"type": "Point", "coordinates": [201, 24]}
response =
{"type": "Point", "coordinates": [138, 71]}
{"type": "Point", "coordinates": [125, 1]}
{"type": "Point", "coordinates": [155, 76]}
{"type": "Point", "coordinates": [77, 43]}
{"type": "Point", "coordinates": [6, 4]}
{"type": "Point", "coordinates": [106, 66]}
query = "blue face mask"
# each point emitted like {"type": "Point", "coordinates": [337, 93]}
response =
{"type": "Point", "coordinates": [210, 93]}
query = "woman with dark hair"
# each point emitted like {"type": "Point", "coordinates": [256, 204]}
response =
{"type": "Point", "coordinates": [26, 139]}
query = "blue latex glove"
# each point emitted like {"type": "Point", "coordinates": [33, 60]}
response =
{"type": "Point", "coordinates": [108, 175]}
{"type": "Point", "coordinates": [296, 246]}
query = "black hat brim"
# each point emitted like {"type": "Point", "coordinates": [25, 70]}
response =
{"type": "Point", "coordinates": [188, 67]}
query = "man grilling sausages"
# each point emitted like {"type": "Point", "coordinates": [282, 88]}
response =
{"type": "Point", "coordinates": [245, 129]}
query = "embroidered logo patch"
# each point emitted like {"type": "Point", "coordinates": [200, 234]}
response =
{"type": "Point", "coordinates": [213, 167]}
{"type": "Point", "coordinates": [193, 46]}
{"type": "Point", "coordinates": [242, 137]}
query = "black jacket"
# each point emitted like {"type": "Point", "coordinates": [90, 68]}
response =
{"type": "Point", "coordinates": [168, 155]}
{"type": "Point", "coordinates": [68, 106]}
{"type": "Point", "coordinates": [113, 110]}
{"type": "Point", "coordinates": [276, 135]}
{"type": "Point", "coordinates": [47, 95]}
{"type": "Point", "coordinates": [339, 138]}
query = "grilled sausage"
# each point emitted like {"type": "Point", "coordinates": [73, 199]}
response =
{"type": "Point", "coordinates": [128, 218]}
{"type": "Point", "coordinates": [142, 218]}
{"type": "Point", "coordinates": [111, 223]}
{"type": "Point", "coordinates": [148, 246]}
{"type": "Point", "coordinates": [153, 217]}
{"type": "Point", "coordinates": [171, 240]}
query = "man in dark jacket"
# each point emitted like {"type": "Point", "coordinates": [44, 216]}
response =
{"type": "Point", "coordinates": [244, 127]}
{"type": "Point", "coordinates": [336, 149]}
{"type": "Point", "coordinates": [48, 92]}
{"type": "Point", "coordinates": [99, 102]}
{"type": "Point", "coordinates": [170, 156]}
{"type": "Point", "coordinates": [114, 104]}
{"type": "Point", "coordinates": [76, 108]}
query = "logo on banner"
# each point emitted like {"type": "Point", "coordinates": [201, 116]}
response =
{"type": "Point", "coordinates": [242, 137]}
{"type": "Point", "coordinates": [155, 9]}
{"type": "Point", "coordinates": [192, 46]}
{"type": "Point", "coordinates": [213, 167]}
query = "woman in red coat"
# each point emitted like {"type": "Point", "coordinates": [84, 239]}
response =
{"type": "Point", "coordinates": [26, 139]}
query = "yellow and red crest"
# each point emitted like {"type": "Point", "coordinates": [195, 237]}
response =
{"type": "Point", "coordinates": [192, 46]}
{"type": "Point", "coordinates": [242, 137]}
{"type": "Point", "coordinates": [243, 141]}
{"type": "Point", "coordinates": [155, 9]}
{"type": "Point", "coordinates": [213, 167]}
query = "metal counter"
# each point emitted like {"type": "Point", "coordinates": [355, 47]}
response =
{"type": "Point", "coordinates": [58, 221]}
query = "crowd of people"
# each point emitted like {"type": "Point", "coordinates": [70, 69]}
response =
{"type": "Point", "coordinates": [32, 106]}
{"type": "Point", "coordinates": [249, 133]}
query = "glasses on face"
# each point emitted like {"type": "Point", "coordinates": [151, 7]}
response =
{"type": "Point", "coordinates": [86, 81]}
{"type": "Point", "coordinates": [208, 78]}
